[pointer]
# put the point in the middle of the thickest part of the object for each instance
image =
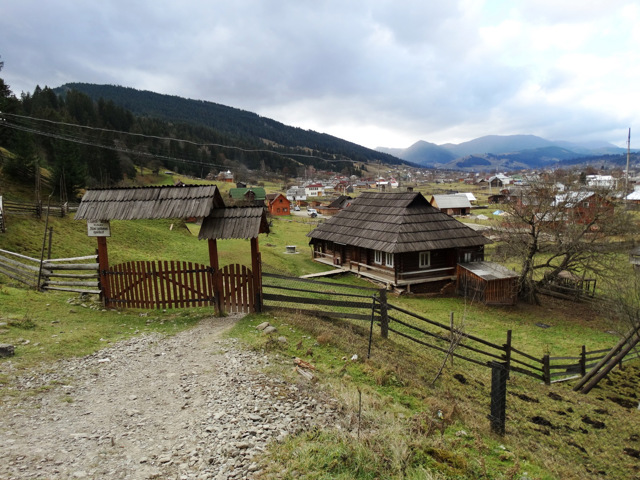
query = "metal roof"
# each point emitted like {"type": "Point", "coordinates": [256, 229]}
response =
{"type": "Point", "coordinates": [450, 201]}
{"type": "Point", "coordinates": [489, 270]}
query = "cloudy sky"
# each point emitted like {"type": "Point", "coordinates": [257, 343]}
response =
{"type": "Point", "coordinates": [376, 72]}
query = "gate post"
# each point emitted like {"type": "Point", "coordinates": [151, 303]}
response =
{"type": "Point", "coordinates": [103, 267]}
{"type": "Point", "coordinates": [256, 266]}
{"type": "Point", "coordinates": [498, 397]}
{"type": "Point", "coordinates": [216, 279]}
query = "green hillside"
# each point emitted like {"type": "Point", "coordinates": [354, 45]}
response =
{"type": "Point", "coordinates": [231, 122]}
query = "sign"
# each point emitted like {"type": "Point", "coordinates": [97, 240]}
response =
{"type": "Point", "coordinates": [98, 229]}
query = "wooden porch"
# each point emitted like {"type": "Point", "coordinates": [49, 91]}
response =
{"type": "Point", "coordinates": [405, 279]}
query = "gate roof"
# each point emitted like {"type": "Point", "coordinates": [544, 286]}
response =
{"type": "Point", "coordinates": [234, 222]}
{"type": "Point", "coordinates": [149, 202]}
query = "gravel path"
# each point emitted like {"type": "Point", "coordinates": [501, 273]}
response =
{"type": "Point", "coordinates": [190, 406]}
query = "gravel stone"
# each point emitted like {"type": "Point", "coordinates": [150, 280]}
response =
{"type": "Point", "coordinates": [192, 406]}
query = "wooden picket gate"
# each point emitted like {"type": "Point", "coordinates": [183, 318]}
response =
{"type": "Point", "coordinates": [237, 292]}
{"type": "Point", "coordinates": [177, 284]}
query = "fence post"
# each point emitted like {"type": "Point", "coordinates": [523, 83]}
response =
{"type": "Point", "coordinates": [50, 240]}
{"type": "Point", "coordinates": [507, 353]}
{"type": "Point", "coordinates": [498, 397]}
{"type": "Point", "coordinates": [546, 370]}
{"type": "Point", "coordinates": [583, 361]}
{"type": "Point", "coordinates": [384, 315]}
{"type": "Point", "coordinates": [451, 337]}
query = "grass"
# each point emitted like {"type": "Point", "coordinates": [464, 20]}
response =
{"type": "Point", "coordinates": [402, 435]}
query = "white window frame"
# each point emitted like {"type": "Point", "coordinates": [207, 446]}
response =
{"type": "Point", "coordinates": [423, 263]}
{"type": "Point", "coordinates": [467, 257]}
{"type": "Point", "coordinates": [377, 257]}
{"type": "Point", "coordinates": [388, 259]}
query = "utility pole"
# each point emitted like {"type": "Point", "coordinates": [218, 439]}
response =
{"type": "Point", "coordinates": [626, 181]}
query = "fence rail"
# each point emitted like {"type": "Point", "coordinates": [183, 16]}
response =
{"type": "Point", "coordinates": [37, 209]}
{"type": "Point", "coordinates": [317, 297]}
{"type": "Point", "coordinates": [45, 274]}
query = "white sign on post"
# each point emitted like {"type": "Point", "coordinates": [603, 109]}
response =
{"type": "Point", "coordinates": [98, 229]}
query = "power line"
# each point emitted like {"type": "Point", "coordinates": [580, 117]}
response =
{"type": "Point", "coordinates": [153, 137]}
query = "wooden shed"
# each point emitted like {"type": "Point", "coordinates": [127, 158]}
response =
{"type": "Point", "coordinates": [487, 282]}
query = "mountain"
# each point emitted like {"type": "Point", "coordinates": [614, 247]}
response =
{"type": "Point", "coordinates": [502, 152]}
{"type": "Point", "coordinates": [232, 123]}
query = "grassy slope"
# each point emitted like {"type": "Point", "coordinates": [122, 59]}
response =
{"type": "Point", "coordinates": [547, 436]}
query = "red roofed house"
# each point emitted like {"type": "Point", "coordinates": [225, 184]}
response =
{"type": "Point", "coordinates": [278, 204]}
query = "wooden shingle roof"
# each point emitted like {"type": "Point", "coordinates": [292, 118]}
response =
{"type": "Point", "coordinates": [234, 222]}
{"type": "Point", "coordinates": [396, 223]}
{"type": "Point", "coordinates": [149, 202]}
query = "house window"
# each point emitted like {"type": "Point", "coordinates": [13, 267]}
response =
{"type": "Point", "coordinates": [467, 257]}
{"type": "Point", "coordinates": [425, 259]}
{"type": "Point", "coordinates": [389, 259]}
{"type": "Point", "coordinates": [378, 257]}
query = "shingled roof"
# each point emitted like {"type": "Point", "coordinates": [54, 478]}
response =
{"type": "Point", "coordinates": [234, 222]}
{"type": "Point", "coordinates": [149, 202]}
{"type": "Point", "coordinates": [396, 223]}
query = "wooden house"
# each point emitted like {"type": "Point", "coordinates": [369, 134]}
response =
{"type": "Point", "coordinates": [278, 204]}
{"type": "Point", "coordinates": [398, 239]}
{"type": "Point", "coordinates": [584, 206]}
{"type": "Point", "coordinates": [335, 206]}
{"type": "Point", "coordinates": [457, 204]}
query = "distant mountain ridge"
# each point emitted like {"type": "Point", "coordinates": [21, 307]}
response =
{"type": "Point", "coordinates": [510, 152]}
{"type": "Point", "coordinates": [232, 123]}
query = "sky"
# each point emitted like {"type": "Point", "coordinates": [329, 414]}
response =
{"type": "Point", "coordinates": [377, 72]}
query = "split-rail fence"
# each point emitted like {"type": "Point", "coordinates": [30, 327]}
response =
{"type": "Point", "coordinates": [78, 274]}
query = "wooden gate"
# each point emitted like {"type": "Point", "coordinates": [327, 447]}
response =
{"type": "Point", "coordinates": [176, 284]}
{"type": "Point", "coordinates": [237, 292]}
{"type": "Point", "coordinates": [160, 284]}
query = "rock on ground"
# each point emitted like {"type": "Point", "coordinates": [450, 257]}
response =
{"type": "Point", "coordinates": [190, 406]}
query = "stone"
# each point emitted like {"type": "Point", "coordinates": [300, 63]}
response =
{"type": "Point", "coordinates": [7, 350]}
{"type": "Point", "coordinates": [269, 329]}
{"type": "Point", "coordinates": [263, 325]}
{"type": "Point", "coordinates": [282, 339]}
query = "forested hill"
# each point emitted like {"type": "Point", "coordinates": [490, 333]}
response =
{"type": "Point", "coordinates": [228, 121]}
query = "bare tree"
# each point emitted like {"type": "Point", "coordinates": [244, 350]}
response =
{"type": "Point", "coordinates": [551, 228]}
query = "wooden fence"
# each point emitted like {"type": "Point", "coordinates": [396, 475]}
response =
{"type": "Point", "coordinates": [63, 274]}
{"type": "Point", "coordinates": [167, 284]}
{"type": "Point", "coordinates": [316, 297]}
{"type": "Point", "coordinates": [178, 284]}
{"type": "Point", "coordinates": [37, 209]}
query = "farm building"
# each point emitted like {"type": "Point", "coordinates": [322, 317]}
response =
{"type": "Point", "coordinates": [487, 282]}
{"type": "Point", "coordinates": [457, 204]}
{"type": "Point", "coordinates": [278, 204]}
{"type": "Point", "coordinates": [398, 239]}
